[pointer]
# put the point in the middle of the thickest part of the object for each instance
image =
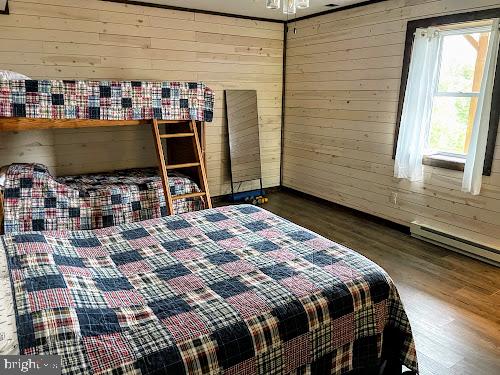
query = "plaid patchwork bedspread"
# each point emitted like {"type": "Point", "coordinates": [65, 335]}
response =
{"type": "Point", "coordinates": [106, 100]}
{"type": "Point", "coordinates": [36, 201]}
{"type": "Point", "coordinates": [233, 290]}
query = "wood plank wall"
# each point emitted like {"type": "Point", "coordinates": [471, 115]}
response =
{"type": "Point", "coordinates": [342, 83]}
{"type": "Point", "coordinates": [71, 39]}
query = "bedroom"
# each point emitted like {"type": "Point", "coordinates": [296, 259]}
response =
{"type": "Point", "coordinates": [328, 86]}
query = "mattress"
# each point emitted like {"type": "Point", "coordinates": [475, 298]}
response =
{"type": "Point", "coordinates": [35, 200]}
{"type": "Point", "coordinates": [106, 100]}
{"type": "Point", "coordinates": [232, 290]}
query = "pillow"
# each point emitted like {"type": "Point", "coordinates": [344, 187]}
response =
{"type": "Point", "coordinates": [7, 74]}
{"type": "Point", "coordinates": [3, 172]}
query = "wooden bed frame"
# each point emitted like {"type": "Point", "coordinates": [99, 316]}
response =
{"type": "Point", "coordinates": [178, 156]}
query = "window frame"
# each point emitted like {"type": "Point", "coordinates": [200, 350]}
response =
{"type": "Point", "coordinates": [443, 160]}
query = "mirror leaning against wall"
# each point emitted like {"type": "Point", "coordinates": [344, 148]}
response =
{"type": "Point", "coordinates": [244, 140]}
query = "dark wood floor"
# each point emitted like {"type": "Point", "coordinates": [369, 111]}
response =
{"type": "Point", "coordinates": [453, 301]}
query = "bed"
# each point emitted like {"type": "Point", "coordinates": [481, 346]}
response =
{"type": "Point", "coordinates": [231, 290]}
{"type": "Point", "coordinates": [102, 100]}
{"type": "Point", "coordinates": [35, 200]}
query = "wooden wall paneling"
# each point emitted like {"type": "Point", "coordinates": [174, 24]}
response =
{"type": "Point", "coordinates": [67, 39]}
{"type": "Point", "coordinates": [342, 85]}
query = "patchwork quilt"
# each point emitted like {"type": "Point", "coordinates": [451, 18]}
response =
{"type": "Point", "coordinates": [106, 100]}
{"type": "Point", "coordinates": [232, 290]}
{"type": "Point", "coordinates": [36, 201]}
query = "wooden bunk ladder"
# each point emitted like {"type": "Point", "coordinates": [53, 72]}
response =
{"type": "Point", "coordinates": [198, 163]}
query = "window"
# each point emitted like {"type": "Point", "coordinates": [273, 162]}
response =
{"type": "Point", "coordinates": [450, 96]}
{"type": "Point", "coordinates": [462, 55]}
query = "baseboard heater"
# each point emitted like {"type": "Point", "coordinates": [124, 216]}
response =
{"type": "Point", "coordinates": [461, 245]}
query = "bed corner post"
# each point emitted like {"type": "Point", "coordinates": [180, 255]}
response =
{"type": "Point", "coordinates": [1, 212]}
{"type": "Point", "coordinates": [203, 143]}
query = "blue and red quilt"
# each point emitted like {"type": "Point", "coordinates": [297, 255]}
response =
{"type": "Point", "coordinates": [106, 100]}
{"type": "Point", "coordinates": [34, 200]}
{"type": "Point", "coordinates": [232, 290]}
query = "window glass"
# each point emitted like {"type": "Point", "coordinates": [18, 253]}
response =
{"type": "Point", "coordinates": [454, 105]}
{"type": "Point", "coordinates": [449, 124]}
{"type": "Point", "coordinates": [458, 62]}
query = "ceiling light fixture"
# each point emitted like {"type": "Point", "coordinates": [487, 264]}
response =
{"type": "Point", "coordinates": [289, 6]}
{"type": "Point", "coordinates": [273, 4]}
{"type": "Point", "coordinates": [302, 4]}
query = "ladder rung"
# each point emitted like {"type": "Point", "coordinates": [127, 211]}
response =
{"type": "Point", "coordinates": [185, 165]}
{"type": "Point", "coordinates": [190, 195]}
{"type": "Point", "coordinates": [171, 121]}
{"type": "Point", "coordinates": [176, 135]}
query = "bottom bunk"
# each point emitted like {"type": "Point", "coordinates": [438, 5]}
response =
{"type": "Point", "coordinates": [33, 199]}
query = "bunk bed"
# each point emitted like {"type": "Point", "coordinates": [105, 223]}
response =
{"type": "Point", "coordinates": [229, 290]}
{"type": "Point", "coordinates": [33, 199]}
{"type": "Point", "coordinates": [43, 104]}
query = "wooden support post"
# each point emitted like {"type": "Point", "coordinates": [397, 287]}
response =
{"type": "Point", "coordinates": [163, 167]}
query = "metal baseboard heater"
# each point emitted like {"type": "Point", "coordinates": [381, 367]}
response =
{"type": "Point", "coordinates": [461, 245]}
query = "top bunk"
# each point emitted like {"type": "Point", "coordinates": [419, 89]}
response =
{"type": "Point", "coordinates": [57, 104]}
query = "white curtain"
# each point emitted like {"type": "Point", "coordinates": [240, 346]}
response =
{"type": "Point", "coordinates": [474, 163]}
{"type": "Point", "coordinates": [417, 107]}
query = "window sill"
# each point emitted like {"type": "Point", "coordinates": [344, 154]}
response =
{"type": "Point", "coordinates": [443, 161]}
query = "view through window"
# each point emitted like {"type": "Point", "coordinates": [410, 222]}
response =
{"type": "Point", "coordinates": [463, 54]}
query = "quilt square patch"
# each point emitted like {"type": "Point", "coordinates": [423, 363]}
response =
{"type": "Point", "coordinates": [271, 361]}
{"type": "Point", "coordinates": [172, 272]}
{"type": "Point", "coordinates": [148, 337]}
{"type": "Point", "coordinates": [321, 259]}
{"type": "Point", "coordinates": [297, 352]}
{"type": "Point", "coordinates": [134, 234]}
{"type": "Point", "coordinates": [219, 235]}
{"type": "Point", "coordinates": [279, 271]}
{"type": "Point", "coordinates": [238, 267]}
{"type": "Point", "coordinates": [169, 307]}
{"type": "Point", "coordinates": [248, 304]}
{"type": "Point", "coordinates": [200, 355]}
{"type": "Point", "coordinates": [301, 235]}
{"type": "Point", "coordinates": [86, 242]}
{"type": "Point", "coordinates": [264, 246]}
{"type": "Point", "coordinates": [186, 283]}
{"type": "Point", "coordinates": [95, 322]}
{"type": "Point", "coordinates": [50, 298]}
{"type": "Point", "coordinates": [234, 343]}
{"type": "Point", "coordinates": [68, 261]}
{"type": "Point", "coordinates": [293, 320]}
{"type": "Point", "coordinates": [299, 285]}
{"type": "Point", "coordinates": [257, 226]}
{"type": "Point", "coordinates": [165, 361]}
{"type": "Point", "coordinates": [343, 330]}
{"type": "Point", "coordinates": [228, 288]}
{"type": "Point", "coordinates": [121, 298]}
{"type": "Point", "coordinates": [185, 326]}
{"type": "Point", "coordinates": [247, 367]}
{"type": "Point", "coordinates": [134, 315]}
{"type": "Point", "coordinates": [223, 257]}
{"type": "Point", "coordinates": [217, 313]}
{"type": "Point", "coordinates": [216, 217]}
{"type": "Point", "coordinates": [176, 245]}
{"type": "Point", "coordinates": [178, 224]}
{"type": "Point", "coordinates": [113, 284]}
{"type": "Point", "coordinates": [126, 257]}
{"type": "Point", "coordinates": [34, 284]}
{"type": "Point", "coordinates": [106, 352]}
{"type": "Point", "coordinates": [133, 268]}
